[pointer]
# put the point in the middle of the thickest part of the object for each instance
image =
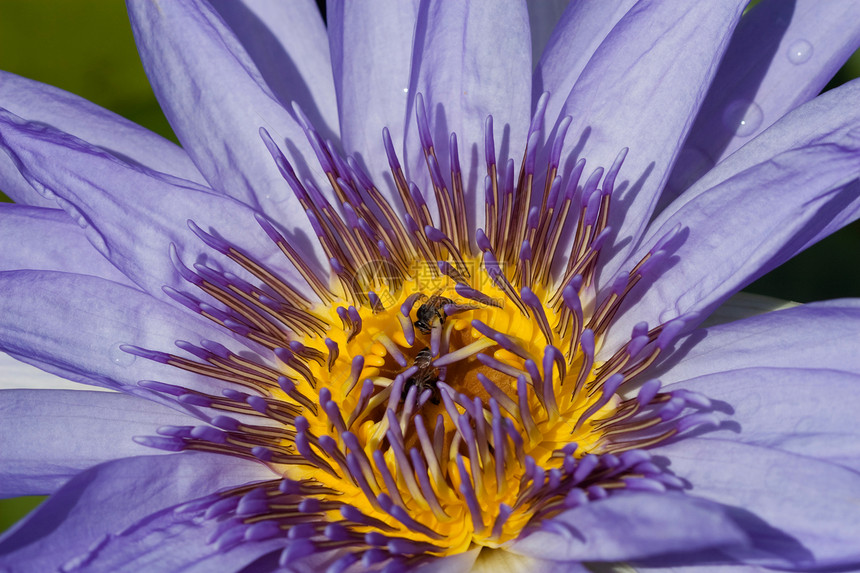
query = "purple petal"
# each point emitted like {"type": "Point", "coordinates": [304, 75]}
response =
{"type": "Point", "coordinates": [829, 117]}
{"type": "Point", "coordinates": [744, 226]}
{"type": "Point", "coordinates": [636, 92]}
{"type": "Point", "coordinates": [582, 27]}
{"type": "Point", "coordinates": [48, 436]}
{"type": "Point", "coordinates": [287, 42]}
{"type": "Point", "coordinates": [826, 117]}
{"type": "Point", "coordinates": [216, 101]}
{"type": "Point", "coordinates": [781, 56]}
{"type": "Point", "coordinates": [51, 376]}
{"type": "Point", "coordinates": [544, 15]}
{"type": "Point", "coordinates": [132, 215]}
{"type": "Point", "coordinates": [797, 509]}
{"type": "Point", "coordinates": [371, 48]}
{"type": "Point", "coordinates": [811, 412]}
{"type": "Point", "coordinates": [745, 305]}
{"type": "Point", "coordinates": [634, 526]}
{"type": "Point", "coordinates": [179, 541]}
{"type": "Point", "coordinates": [18, 375]}
{"type": "Point", "coordinates": [104, 500]}
{"type": "Point", "coordinates": [821, 335]}
{"type": "Point", "coordinates": [77, 323]}
{"type": "Point", "coordinates": [464, 78]}
{"type": "Point", "coordinates": [47, 239]}
{"type": "Point", "coordinates": [680, 565]}
{"type": "Point", "coordinates": [52, 106]}
{"type": "Point", "coordinates": [314, 563]}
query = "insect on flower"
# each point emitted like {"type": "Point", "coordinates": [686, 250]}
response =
{"type": "Point", "coordinates": [431, 311]}
{"type": "Point", "coordinates": [424, 379]}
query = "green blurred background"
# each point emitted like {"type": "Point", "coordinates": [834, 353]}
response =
{"type": "Point", "coordinates": [86, 47]}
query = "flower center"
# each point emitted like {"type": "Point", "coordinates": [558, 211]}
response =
{"type": "Point", "coordinates": [431, 399]}
{"type": "Point", "coordinates": [423, 395]}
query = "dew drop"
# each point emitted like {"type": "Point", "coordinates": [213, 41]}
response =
{"type": "Point", "coordinates": [120, 357]}
{"type": "Point", "coordinates": [276, 197]}
{"type": "Point", "coordinates": [799, 52]}
{"type": "Point", "coordinates": [743, 117]}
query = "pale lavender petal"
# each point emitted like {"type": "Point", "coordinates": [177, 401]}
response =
{"type": "Point", "coordinates": [745, 305]}
{"type": "Point", "coordinates": [371, 49]}
{"type": "Point", "coordinates": [676, 565]}
{"type": "Point", "coordinates": [78, 323]}
{"type": "Point", "coordinates": [543, 17]}
{"type": "Point", "coordinates": [16, 375]}
{"type": "Point", "coordinates": [216, 100]}
{"type": "Point", "coordinates": [842, 213]}
{"type": "Point", "coordinates": [24, 372]}
{"type": "Point", "coordinates": [287, 42]}
{"type": "Point", "coordinates": [39, 102]}
{"type": "Point", "coordinates": [830, 116]}
{"type": "Point", "coordinates": [457, 563]}
{"type": "Point", "coordinates": [637, 93]}
{"type": "Point", "coordinates": [132, 215]}
{"type": "Point", "coordinates": [582, 27]}
{"type": "Point", "coordinates": [798, 509]}
{"type": "Point", "coordinates": [48, 436]}
{"type": "Point", "coordinates": [105, 500]}
{"type": "Point", "coordinates": [781, 56]}
{"type": "Point", "coordinates": [652, 524]}
{"type": "Point", "coordinates": [464, 78]}
{"type": "Point", "coordinates": [821, 335]}
{"type": "Point", "coordinates": [313, 563]}
{"type": "Point", "coordinates": [750, 223]}
{"type": "Point", "coordinates": [171, 541]}
{"type": "Point", "coordinates": [806, 411]}
{"type": "Point", "coordinates": [48, 239]}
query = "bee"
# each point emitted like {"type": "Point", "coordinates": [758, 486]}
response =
{"type": "Point", "coordinates": [431, 310]}
{"type": "Point", "coordinates": [425, 378]}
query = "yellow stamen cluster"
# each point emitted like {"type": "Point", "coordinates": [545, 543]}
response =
{"type": "Point", "coordinates": [545, 427]}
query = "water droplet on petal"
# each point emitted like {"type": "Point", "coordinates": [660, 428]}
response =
{"type": "Point", "coordinates": [743, 117]}
{"type": "Point", "coordinates": [799, 52]}
{"type": "Point", "coordinates": [120, 357]}
{"type": "Point", "coordinates": [276, 197]}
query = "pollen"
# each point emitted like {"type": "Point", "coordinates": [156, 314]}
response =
{"type": "Point", "coordinates": [442, 372]}
{"type": "Point", "coordinates": [439, 388]}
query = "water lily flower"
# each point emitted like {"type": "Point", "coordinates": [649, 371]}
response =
{"type": "Point", "coordinates": [410, 297]}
